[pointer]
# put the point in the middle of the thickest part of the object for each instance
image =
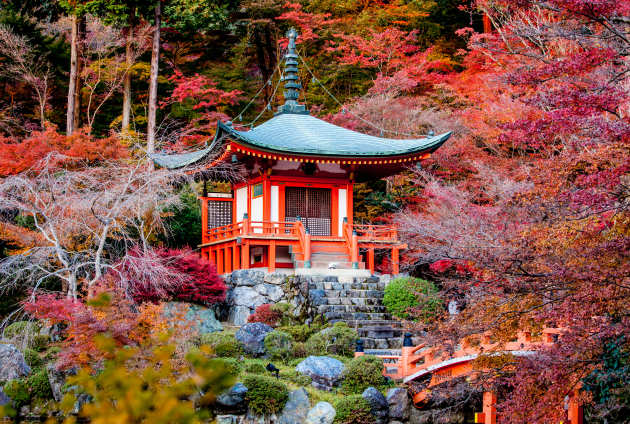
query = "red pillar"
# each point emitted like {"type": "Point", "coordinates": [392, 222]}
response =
{"type": "Point", "coordinates": [371, 259]}
{"type": "Point", "coordinates": [220, 262]}
{"type": "Point", "coordinates": [272, 256]}
{"type": "Point", "coordinates": [489, 408]}
{"type": "Point", "coordinates": [576, 410]}
{"type": "Point", "coordinates": [395, 261]}
{"type": "Point", "coordinates": [244, 255]}
{"type": "Point", "coordinates": [228, 260]}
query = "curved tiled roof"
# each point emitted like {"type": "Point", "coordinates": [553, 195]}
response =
{"type": "Point", "coordinates": [306, 135]}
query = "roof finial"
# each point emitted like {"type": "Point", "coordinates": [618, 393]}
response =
{"type": "Point", "coordinates": [292, 84]}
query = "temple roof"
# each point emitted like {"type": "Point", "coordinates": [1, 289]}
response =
{"type": "Point", "coordinates": [293, 131]}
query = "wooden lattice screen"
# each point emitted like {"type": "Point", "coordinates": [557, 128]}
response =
{"type": "Point", "coordinates": [219, 213]}
{"type": "Point", "coordinates": [312, 205]}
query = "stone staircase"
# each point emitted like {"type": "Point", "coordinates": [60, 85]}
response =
{"type": "Point", "coordinates": [358, 302]}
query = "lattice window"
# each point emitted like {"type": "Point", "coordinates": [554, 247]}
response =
{"type": "Point", "coordinates": [312, 205]}
{"type": "Point", "coordinates": [219, 213]}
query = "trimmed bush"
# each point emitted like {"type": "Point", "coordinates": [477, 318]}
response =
{"type": "Point", "coordinates": [39, 386]}
{"type": "Point", "coordinates": [230, 365]}
{"type": "Point", "coordinates": [363, 372]}
{"type": "Point", "coordinates": [224, 344]}
{"type": "Point", "coordinates": [295, 377]}
{"type": "Point", "coordinates": [32, 358]}
{"type": "Point", "coordinates": [255, 367]}
{"type": "Point", "coordinates": [301, 333]}
{"type": "Point", "coordinates": [17, 390]}
{"type": "Point", "coordinates": [338, 339]}
{"type": "Point", "coordinates": [279, 345]}
{"type": "Point", "coordinates": [353, 410]}
{"type": "Point", "coordinates": [409, 298]}
{"type": "Point", "coordinates": [265, 395]}
{"type": "Point", "coordinates": [299, 350]}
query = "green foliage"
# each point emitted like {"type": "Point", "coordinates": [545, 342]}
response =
{"type": "Point", "coordinates": [265, 395]}
{"type": "Point", "coordinates": [51, 353]}
{"type": "Point", "coordinates": [338, 339]}
{"type": "Point", "coordinates": [40, 342]}
{"type": "Point", "coordinates": [21, 328]}
{"type": "Point", "coordinates": [302, 332]}
{"type": "Point", "coordinates": [39, 386]}
{"type": "Point", "coordinates": [32, 358]}
{"type": "Point", "coordinates": [363, 372]}
{"type": "Point", "coordinates": [18, 391]}
{"type": "Point", "coordinates": [255, 366]}
{"type": "Point", "coordinates": [279, 345]}
{"type": "Point", "coordinates": [232, 366]}
{"type": "Point", "coordinates": [353, 410]}
{"type": "Point", "coordinates": [299, 350]}
{"type": "Point", "coordinates": [295, 377]}
{"type": "Point", "coordinates": [403, 294]}
{"type": "Point", "coordinates": [149, 385]}
{"type": "Point", "coordinates": [183, 221]}
{"type": "Point", "coordinates": [223, 343]}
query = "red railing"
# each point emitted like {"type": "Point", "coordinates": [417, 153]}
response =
{"type": "Point", "coordinates": [254, 228]}
{"type": "Point", "coordinates": [386, 233]}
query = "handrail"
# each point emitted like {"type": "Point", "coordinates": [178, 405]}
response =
{"type": "Point", "coordinates": [252, 228]}
{"type": "Point", "coordinates": [376, 232]}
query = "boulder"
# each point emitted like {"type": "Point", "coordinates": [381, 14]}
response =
{"type": "Point", "coordinates": [233, 399]}
{"type": "Point", "coordinates": [247, 277]}
{"type": "Point", "coordinates": [271, 292]}
{"type": "Point", "coordinates": [275, 278]}
{"type": "Point", "coordinates": [378, 404]}
{"type": "Point", "coordinates": [322, 413]}
{"type": "Point", "coordinates": [238, 315]}
{"type": "Point", "coordinates": [57, 380]}
{"type": "Point", "coordinates": [12, 364]}
{"type": "Point", "coordinates": [296, 408]}
{"type": "Point", "coordinates": [252, 337]}
{"type": "Point", "coordinates": [200, 319]}
{"type": "Point", "coordinates": [398, 402]}
{"type": "Point", "coordinates": [227, 419]}
{"type": "Point", "coordinates": [419, 416]}
{"type": "Point", "coordinates": [325, 372]}
{"type": "Point", "coordinates": [246, 296]}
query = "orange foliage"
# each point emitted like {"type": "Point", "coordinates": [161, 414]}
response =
{"type": "Point", "coordinates": [19, 156]}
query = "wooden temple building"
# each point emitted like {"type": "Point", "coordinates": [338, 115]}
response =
{"type": "Point", "coordinates": [294, 208]}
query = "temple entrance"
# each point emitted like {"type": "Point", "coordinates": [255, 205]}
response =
{"type": "Point", "coordinates": [312, 205]}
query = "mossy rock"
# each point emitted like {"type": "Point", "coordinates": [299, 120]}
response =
{"type": "Point", "coordinates": [18, 391]}
{"type": "Point", "coordinates": [353, 409]}
{"type": "Point", "coordinates": [39, 386]}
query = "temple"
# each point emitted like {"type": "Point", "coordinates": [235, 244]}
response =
{"type": "Point", "coordinates": [294, 208]}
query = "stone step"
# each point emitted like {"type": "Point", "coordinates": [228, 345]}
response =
{"type": "Point", "coordinates": [349, 316]}
{"type": "Point", "coordinates": [360, 301]}
{"type": "Point", "coordinates": [381, 344]}
{"type": "Point", "coordinates": [350, 308]}
{"type": "Point", "coordinates": [368, 294]}
{"type": "Point", "coordinates": [379, 332]}
{"type": "Point", "coordinates": [328, 285]}
{"type": "Point", "coordinates": [385, 352]}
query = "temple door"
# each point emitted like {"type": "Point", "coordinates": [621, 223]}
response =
{"type": "Point", "coordinates": [312, 205]}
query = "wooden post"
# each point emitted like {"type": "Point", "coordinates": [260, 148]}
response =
{"type": "Point", "coordinates": [272, 256]}
{"type": "Point", "coordinates": [489, 408]}
{"type": "Point", "coordinates": [355, 250]}
{"type": "Point", "coordinates": [235, 257]}
{"type": "Point", "coordinates": [228, 259]}
{"type": "Point", "coordinates": [220, 262]}
{"type": "Point", "coordinates": [204, 220]}
{"type": "Point", "coordinates": [244, 255]}
{"type": "Point", "coordinates": [371, 259]}
{"type": "Point", "coordinates": [307, 248]}
{"type": "Point", "coordinates": [395, 261]}
{"type": "Point", "coordinates": [576, 410]}
{"type": "Point", "coordinates": [245, 224]}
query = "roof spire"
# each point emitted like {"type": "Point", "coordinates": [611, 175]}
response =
{"type": "Point", "coordinates": [292, 85]}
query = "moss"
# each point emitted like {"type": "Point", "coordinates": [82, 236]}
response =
{"type": "Point", "coordinates": [405, 294]}
{"type": "Point", "coordinates": [32, 358]}
{"type": "Point", "coordinates": [363, 372]}
{"type": "Point", "coordinates": [51, 353]}
{"type": "Point", "coordinates": [232, 366]}
{"type": "Point", "coordinates": [18, 391]}
{"type": "Point", "coordinates": [295, 377]}
{"type": "Point", "coordinates": [223, 343]}
{"type": "Point", "coordinates": [38, 385]}
{"type": "Point", "coordinates": [339, 340]}
{"type": "Point", "coordinates": [302, 332]}
{"type": "Point", "coordinates": [279, 345]}
{"type": "Point", "coordinates": [352, 410]}
{"type": "Point", "coordinates": [21, 328]}
{"type": "Point", "coordinates": [265, 395]}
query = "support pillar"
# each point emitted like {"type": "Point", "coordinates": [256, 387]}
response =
{"type": "Point", "coordinates": [236, 255]}
{"type": "Point", "coordinates": [307, 249]}
{"type": "Point", "coordinates": [220, 261]}
{"type": "Point", "coordinates": [489, 414]}
{"type": "Point", "coordinates": [244, 255]}
{"type": "Point", "coordinates": [228, 260]}
{"type": "Point", "coordinates": [272, 256]}
{"type": "Point", "coordinates": [395, 261]}
{"type": "Point", "coordinates": [576, 410]}
{"type": "Point", "coordinates": [355, 250]}
{"type": "Point", "coordinates": [370, 253]}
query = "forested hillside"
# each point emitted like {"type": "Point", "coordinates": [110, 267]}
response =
{"type": "Point", "coordinates": [522, 217]}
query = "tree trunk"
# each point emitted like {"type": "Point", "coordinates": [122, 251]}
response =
{"type": "Point", "coordinates": [81, 29]}
{"type": "Point", "coordinates": [72, 84]}
{"type": "Point", "coordinates": [153, 85]}
{"type": "Point", "coordinates": [126, 113]}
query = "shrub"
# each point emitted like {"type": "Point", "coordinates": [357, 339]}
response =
{"type": "Point", "coordinates": [38, 385]}
{"type": "Point", "coordinates": [278, 345]}
{"type": "Point", "coordinates": [255, 367]}
{"type": "Point", "coordinates": [299, 350]}
{"type": "Point", "coordinates": [295, 377]}
{"type": "Point", "coordinates": [338, 339]}
{"type": "Point", "coordinates": [40, 342]}
{"type": "Point", "coordinates": [232, 366]}
{"type": "Point", "coordinates": [32, 358]}
{"type": "Point", "coordinates": [363, 372]}
{"type": "Point", "coordinates": [301, 333]}
{"type": "Point", "coordinates": [265, 395]}
{"type": "Point", "coordinates": [51, 353]}
{"type": "Point", "coordinates": [224, 344]}
{"type": "Point", "coordinates": [202, 286]}
{"type": "Point", "coordinates": [353, 410]}
{"type": "Point", "coordinates": [265, 314]}
{"type": "Point", "coordinates": [17, 390]}
{"type": "Point", "coordinates": [409, 298]}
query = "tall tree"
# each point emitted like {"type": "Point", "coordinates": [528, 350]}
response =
{"type": "Point", "coordinates": [153, 78]}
